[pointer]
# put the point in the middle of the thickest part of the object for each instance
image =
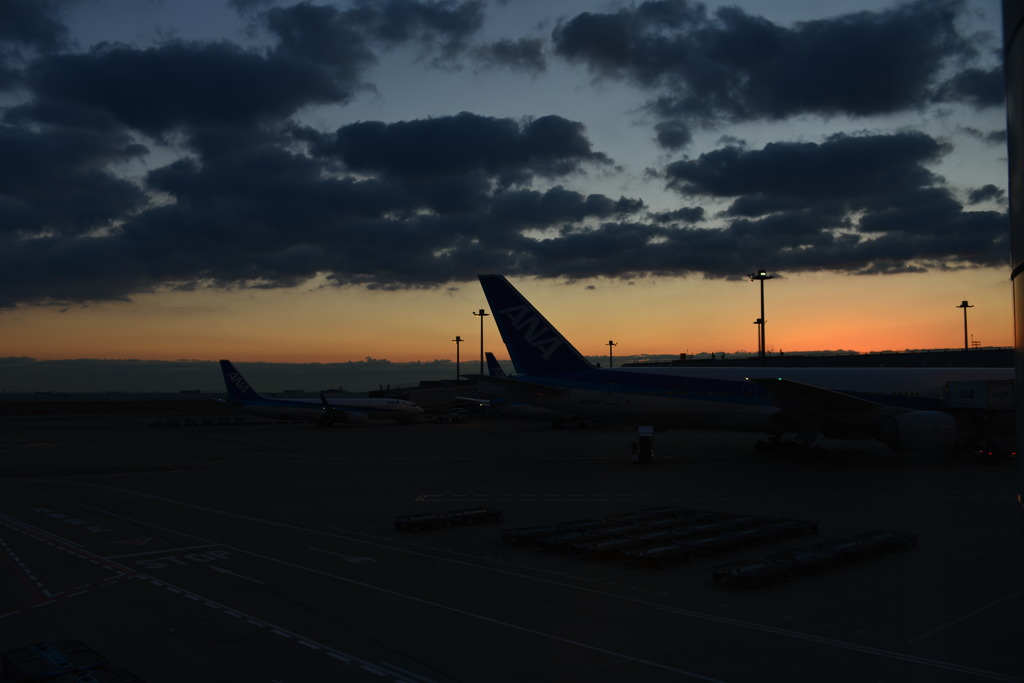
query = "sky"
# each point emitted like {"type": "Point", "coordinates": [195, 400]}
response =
{"type": "Point", "coordinates": [271, 181]}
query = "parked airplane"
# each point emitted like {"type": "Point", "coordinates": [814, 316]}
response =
{"type": "Point", "coordinates": [493, 367]}
{"type": "Point", "coordinates": [900, 407]}
{"type": "Point", "coordinates": [323, 410]}
{"type": "Point", "coordinates": [505, 407]}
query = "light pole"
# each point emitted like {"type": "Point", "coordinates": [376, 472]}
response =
{"type": "Point", "coordinates": [482, 314]}
{"type": "Point", "coordinates": [964, 305]}
{"type": "Point", "coordinates": [458, 340]}
{"type": "Point", "coordinates": [610, 345]}
{"type": "Point", "coordinates": [761, 275]}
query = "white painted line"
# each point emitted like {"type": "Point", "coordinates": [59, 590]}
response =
{"type": "Point", "coordinates": [404, 674]}
{"type": "Point", "coordinates": [160, 552]}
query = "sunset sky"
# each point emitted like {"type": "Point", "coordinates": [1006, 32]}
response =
{"type": "Point", "coordinates": [322, 181]}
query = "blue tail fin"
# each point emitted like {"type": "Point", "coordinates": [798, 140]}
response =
{"type": "Point", "coordinates": [238, 388]}
{"type": "Point", "coordinates": [493, 368]}
{"type": "Point", "coordinates": [534, 345]}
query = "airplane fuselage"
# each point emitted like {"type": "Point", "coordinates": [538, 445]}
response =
{"type": "Point", "coordinates": [725, 397]}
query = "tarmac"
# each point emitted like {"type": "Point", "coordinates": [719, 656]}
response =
{"type": "Point", "coordinates": [231, 551]}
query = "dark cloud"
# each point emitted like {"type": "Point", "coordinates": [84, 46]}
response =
{"type": "Point", "coordinates": [268, 214]}
{"type": "Point", "coordinates": [688, 214]}
{"type": "Point", "coordinates": [321, 36]}
{"type": "Point", "coordinates": [320, 56]}
{"type": "Point", "coordinates": [993, 137]}
{"type": "Point", "coordinates": [842, 166]}
{"type": "Point", "coordinates": [843, 203]}
{"type": "Point", "coordinates": [736, 66]}
{"type": "Point", "coordinates": [257, 199]}
{"type": "Point", "coordinates": [524, 54]}
{"type": "Point", "coordinates": [33, 23]}
{"type": "Point", "coordinates": [673, 134]}
{"type": "Point", "coordinates": [256, 209]}
{"type": "Point", "coordinates": [986, 193]}
{"type": "Point", "coordinates": [28, 27]}
{"type": "Point", "coordinates": [444, 25]}
{"type": "Point", "coordinates": [54, 181]}
{"type": "Point", "coordinates": [548, 146]}
{"type": "Point", "coordinates": [979, 87]}
{"type": "Point", "coordinates": [529, 208]}
{"type": "Point", "coordinates": [182, 85]}
{"type": "Point", "coordinates": [346, 41]}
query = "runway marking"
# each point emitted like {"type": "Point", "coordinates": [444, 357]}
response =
{"type": "Point", "coordinates": [228, 572]}
{"type": "Point", "coordinates": [692, 614]}
{"type": "Point", "coordinates": [456, 610]}
{"type": "Point", "coordinates": [927, 496]}
{"type": "Point", "coordinates": [727, 620]}
{"type": "Point", "coordinates": [537, 497]}
{"type": "Point", "coordinates": [354, 559]}
{"type": "Point", "coordinates": [279, 631]}
{"type": "Point", "coordinates": [404, 672]}
{"type": "Point", "coordinates": [25, 571]}
{"type": "Point", "coordinates": [66, 546]}
{"type": "Point", "coordinates": [159, 552]}
{"type": "Point", "coordinates": [1011, 596]}
{"type": "Point", "coordinates": [126, 572]}
{"type": "Point", "coordinates": [866, 649]}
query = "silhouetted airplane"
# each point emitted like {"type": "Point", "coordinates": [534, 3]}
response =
{"type": "Point", "coordinates": [493, 367]}
{"type": "Point", "coordinates": [901, 407]}
{"type": "Point", "coordinates": [505, 407]}
{"type": "Point", "coordinates": [323, 410]}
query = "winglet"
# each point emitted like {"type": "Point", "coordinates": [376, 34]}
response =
{"type": "Point", "coordinates": [534, 345]}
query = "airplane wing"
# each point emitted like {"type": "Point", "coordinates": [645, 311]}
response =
{"type": "Point", "coordinates": [799, 398]}
{"type": "Point", "coordinates": [485, 402]}
{"type": "Point", "coordinates": [516, 390]}
{"type": "Point", "coordinates": [333, 413]}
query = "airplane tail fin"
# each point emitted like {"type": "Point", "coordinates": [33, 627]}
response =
{"type": "Point", "coordinates": [534, 345]}
{"type": "Point", "coordinates": [238, 388]}
{"type": "Point", "coordinates": [493, 368]}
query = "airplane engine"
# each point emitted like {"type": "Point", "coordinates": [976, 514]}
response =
{"type": "Point", "coordinates": [356, 418]}
{"type": "Point", "coordinates": [919, 431]}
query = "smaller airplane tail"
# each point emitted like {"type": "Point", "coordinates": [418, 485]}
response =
{"type": "Point", "coordinates": [238, 388]}
{"type": "Point", "coordinates": [493, 368]}
{"type": "Point", "coordinates": [534, 345]}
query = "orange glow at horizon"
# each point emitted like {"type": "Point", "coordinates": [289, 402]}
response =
{"type": "Point", "coordinates": [650, 316]}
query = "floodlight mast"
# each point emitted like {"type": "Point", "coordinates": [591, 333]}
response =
{"type": "Point", "coordinates": [761, 275]}
{"type": "Point", "coordinates": [610, 344]}
{"type": "Point", "coordinates": [458, 340]}
{"type": "Point", "coordinates": [964, 305]}
{"type": "Point", "coordinates": [481, 314]}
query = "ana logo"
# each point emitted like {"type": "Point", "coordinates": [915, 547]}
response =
{"type": "Point", "coordinates": [238, 382]}
{"type": "Point", "coordinates": [535, 331]}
